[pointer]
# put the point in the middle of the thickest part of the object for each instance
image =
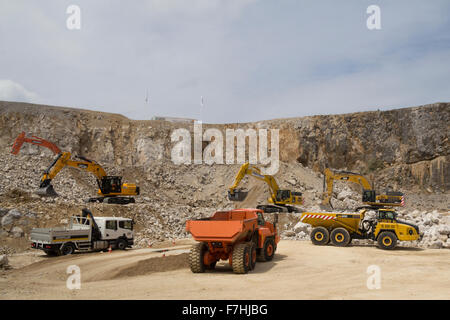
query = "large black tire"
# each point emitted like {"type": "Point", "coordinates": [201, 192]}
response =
{"type": "Point", "coordinates": [267, 251]}
{"type": "Point", "coordinates": [241, 258]}
{"type": "Point", "coordinates": [121, 244]}
{"type": "Point", "coordinates": [387, 240]}
{"type": "Point", "coordinates": [340, 237]}
{"type": "Point", "coordinates": [320, 236]}
{"type": "Point", "coordinates": [196, 258]}
{"type": "Point", "coordinates": [51, 253]}
{"type": "Point", "coordinates": [67, 248]}
{"type": "Point", "coordinates": [253, 255]}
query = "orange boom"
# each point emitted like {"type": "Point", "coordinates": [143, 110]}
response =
{"type": "Point", "coordinates": [241, 236]}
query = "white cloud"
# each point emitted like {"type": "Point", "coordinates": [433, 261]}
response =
{"type": "Point", "coordinates": [196, 6]}
{"type": "Point", "coordinates": [249, 59]}
{"type": "Point", "coordinates": [12, 91]}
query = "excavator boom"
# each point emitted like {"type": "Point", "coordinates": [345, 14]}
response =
{"type": "Point", "coordinates": [109, 186]}
{"type": "Point", "coordinates": [33, 140]}
{"type": "Point", "coordinates": [370, 197]}
{"type": "Point", "coordinates": [278, 196]}
{"type": "Point", "coordinates": [64, 160]}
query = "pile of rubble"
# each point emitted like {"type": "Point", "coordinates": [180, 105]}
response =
{"type": "Point", "coordinates": [4, 263]}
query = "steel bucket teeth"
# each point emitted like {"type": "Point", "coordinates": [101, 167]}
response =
{"type": "Point", "coordinates": [47, 192]}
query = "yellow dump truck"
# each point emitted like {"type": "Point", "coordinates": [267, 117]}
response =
{"type": "Point", "coordinates": [341, 228]}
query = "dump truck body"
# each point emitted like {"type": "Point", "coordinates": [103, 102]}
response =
{"type": "Point", "coordinates": [333, 220]}
{"type": "Point", "coordinates": [241, 235]}
{"type": "Point", "coordinates": [226, 226]}
{"type": "Point", "coordinates": [341, 228]}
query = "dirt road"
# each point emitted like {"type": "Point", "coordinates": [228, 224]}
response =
{"type": "Point", "coordinates": [299, 271]}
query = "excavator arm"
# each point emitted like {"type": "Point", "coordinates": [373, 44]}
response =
{"type": "Point", "coordinates": [239, 195]}
{"type": "Point", "coordinates": [33, 140]}
{"type": "Point", "coordinates": [278, 196]}
{"type": "Point", "coordinates": [330, 176]}
{"type": "Point", "coordinates": [64, 160]}
{"type": "Point", "coordinates": [369, 195]}
{"type": "Point", "coordinates": [110, 187]}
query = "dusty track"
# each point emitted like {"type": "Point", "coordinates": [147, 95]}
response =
{"type": "Point", "coordinates": [299, 271]}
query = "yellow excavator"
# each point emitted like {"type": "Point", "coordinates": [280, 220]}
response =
{"type": "Point", "coordinates": [281, 200]}
{"type": "Point", "coordinates": [111, 189]}
{"type": "Point", "coordinates": [369, 195]}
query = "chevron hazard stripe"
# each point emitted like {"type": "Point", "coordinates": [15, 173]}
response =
{"type": "Point", "coordinates": [318, 216]}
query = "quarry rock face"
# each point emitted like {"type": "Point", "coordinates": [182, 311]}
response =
{"type": "Point", "coordinates": [409, 142]}
{"type": "Point", "coordinates": [405, 146]}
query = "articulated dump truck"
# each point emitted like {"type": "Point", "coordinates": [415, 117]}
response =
{"type": "Point", "coordinates": [341, 228]}
{"type": "Point", "coordinates": [241, 236]}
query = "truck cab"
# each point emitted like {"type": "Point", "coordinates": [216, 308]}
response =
{"type": "Point", "coordinates": [389, 227]}
{"type": "Point", "coordinates": [114, 228]}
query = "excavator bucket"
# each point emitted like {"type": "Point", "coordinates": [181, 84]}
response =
{"type": "Point", "coordinates": [18, 143]}
{"type": "Point", "coordinates": [47, 191]}
{"type": "Point", "coordinates": [237, 195]}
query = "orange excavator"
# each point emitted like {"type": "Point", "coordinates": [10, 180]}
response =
{"type": "Point", "coordinates": [33, 140]}
{"type": "Point", "coordinates": [111, 188]}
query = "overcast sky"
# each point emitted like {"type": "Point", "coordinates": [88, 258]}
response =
{"type": "Point", "coordinates": [249, 59]}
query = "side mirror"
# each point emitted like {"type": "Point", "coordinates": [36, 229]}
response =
{"type": "Point", "coordinates": [275, 218]}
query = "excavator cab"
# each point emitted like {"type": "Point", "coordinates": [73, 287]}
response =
{"type": "Point", "coordinates": [369, 196]}
{"type": "Point", "coordinates": [110, 184]}
{"type": "Point", "coordinates": [283, 195]}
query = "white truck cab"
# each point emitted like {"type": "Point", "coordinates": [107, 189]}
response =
{"type": "Point", "coordinates": [114, 228]}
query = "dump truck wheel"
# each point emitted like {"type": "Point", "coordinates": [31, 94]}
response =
{"type": "Point", "coordinates": [196, 258]}
{"type": "Point", "coordinates": [253, 255]}
{"type": "Point", "coordinates": [67, 249]}
{"type": "Point", "coordinates": [267, 252]}
{"type": "Point", "coordinates": [269, 249]}
{"type": "Point", "coordinates": [387, 240]}
{"type": "Point", "coordinates": [320, 236]}
{"type": "Point", "coordinates": [241, 258]}
{"type": "Point", "coordinates": [340, 237]}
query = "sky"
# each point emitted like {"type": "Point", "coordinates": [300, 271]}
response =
{"type": "Point", "coordinates": [225, 61]}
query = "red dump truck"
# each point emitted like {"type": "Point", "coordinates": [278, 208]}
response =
{"type": "Point", "coordinates": [241, 236]}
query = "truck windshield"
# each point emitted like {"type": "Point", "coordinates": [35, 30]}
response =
{"type": "Point", "coordinates": [127, 224]}
{"type": "Point", "coordinates": [387, 215]}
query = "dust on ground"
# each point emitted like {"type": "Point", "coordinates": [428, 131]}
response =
{"type": "Point", "coordinates": [299, 270]}
{"type": "Point", "coordinates": [152, 265]}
